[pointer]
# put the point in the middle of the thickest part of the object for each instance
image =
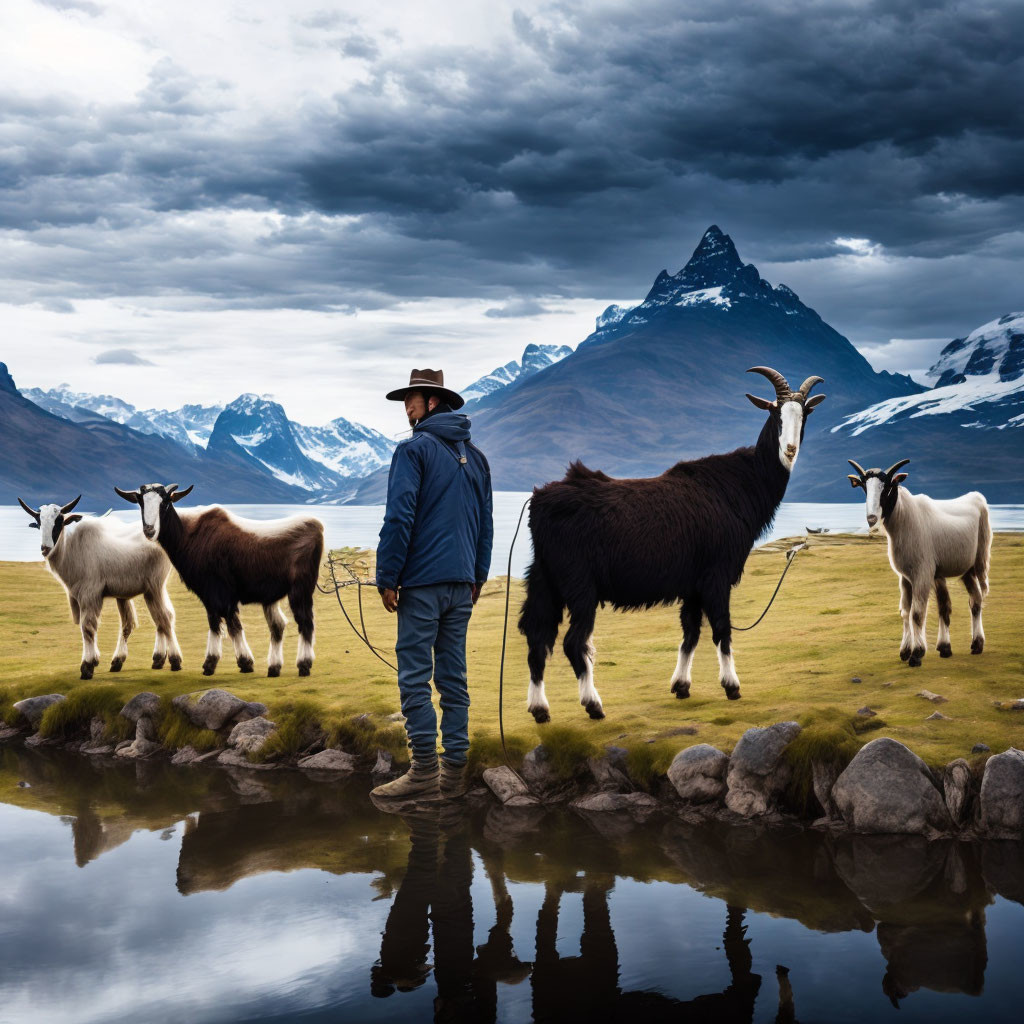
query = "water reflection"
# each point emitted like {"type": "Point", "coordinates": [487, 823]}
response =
{"type": "Point", "coordinates": [568, 949]}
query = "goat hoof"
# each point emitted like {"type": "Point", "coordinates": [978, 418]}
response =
{"type": "Point", "coordinates": [540, 715]}
{"type": "Point", "coordinates": [175, 664]}
{"type": "Point", "coordinates": [595, 710]}
{"type": "Point", "coordinates": [87, 669]}
{"type": "Point", "coordinates": [115, 665]}
{"type": "Point", "coordinates": [904, 653]}
{"type": "Point", "coordinates": [158, 661]}
{"type": "Point", "coordinates": [977, 645]}
{"type": "Point", "coordinates": [945, 651]}
{"type": "Point", "coordinates": [681, 690]}
{"type": "Point", "coordinates": [732, 692]}
{"type": "Point", "coordinates": [273, 671]}
{"type": "Point", "coordinates": [245, 664]}
{"type": "Point", "coordinates": [304, 667]}
{"type": "Point", "coordinates": [209, 666]}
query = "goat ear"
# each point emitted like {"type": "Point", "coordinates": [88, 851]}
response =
{"type": "Point", "coordinates": [72, 518]}
{"type": "Point", "coordinates": [178, 495]}
{"type": "Point", "coordinates": [132, 496]}
{"type": "Point", "coordinates": [855, 481]}
{"type": "Point", "coordinates": [898, 478]}
{"type": "Point", "coordinates": [761, 403]}
{"type": "Point", "coordinates": [812, 402]}
{"type": "Point", "coordinates": [33, 526]}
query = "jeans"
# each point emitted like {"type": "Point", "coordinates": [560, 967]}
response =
{"type": "Point", "coordinates": [432, 623]}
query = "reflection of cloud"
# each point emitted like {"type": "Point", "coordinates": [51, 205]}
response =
{"type": "Point", "coordinates": [123, 357]}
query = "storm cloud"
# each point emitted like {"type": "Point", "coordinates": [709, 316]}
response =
{"type": "Point", "coordinates": [569, 154]}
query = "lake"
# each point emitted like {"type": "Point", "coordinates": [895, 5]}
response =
{"type": "Point", "coordinates": [145, 892]}
{"type": "Point", "coordinates": [359, 525]}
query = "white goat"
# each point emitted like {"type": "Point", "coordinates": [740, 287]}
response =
{"type": "Point", "coordinates": [101, 558]}
{"type": "Point", "coordinates": [930, 541]}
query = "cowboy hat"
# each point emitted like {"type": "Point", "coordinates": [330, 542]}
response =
{"type": "Point", "coordinates": [430, 381]}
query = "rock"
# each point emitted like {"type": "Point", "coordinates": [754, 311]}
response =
{"type": "Point", "coordinates": [33, 708]}
{"type": "Point", "coordinates": [8, 733]}
{"type": "Point", "coordinates": [505, 784]}
{"type": "Point", "coordinates": [236, 759]}
{"type": "Point", "coordinates": [252, 709]}
{"type": "Point", "coordinates": [37, 739]}
{"type": "Point", "coordinates": [123, 744]}
{"type": "Point", "coordinates": [757, 774]}
{"type": "Point", "coordinates": [887, 788]}
{"type": "Point", "coordinates": [186, 755]}
{"type": "Point", "coordinates": [866, 712]}
{"type": "Point", "coordinates": [329, 760]}
{"type": "Point", "coordinates": [141, 704]}
{"type": "Point", "coordinates": [823, 779]}
{"type": "Point", "coordinates": [887, 684]}
{"type": "Point", "coordinates": [938, 716]}
{"type": "Point", "coordinates": [209, 709]}
{"type": "Point", "coordinates": [97, 749]}
{"type": "Point", "coordinates": [396, 717]}
{"type": "Point", "coordinates": [956, 785]}
{"type": "Point", "coordinates": [1002, 793]}
{"type": "Point", "coordinates": [542, 778]}
{"type": "Point", "coordinates": [855, 679]}
{"type": "Point", "coordinates": [933, 697]}
{"type": "Point", "coordinates": [615, 802]}
{"type": "Point", "coordinates": [138, 748]}
{"type": "Point", "coordinates": [97, 728]}
{"type": "Point", "coordinates": [385, 764]}
{"type": "Point", "coordinates": [210, 755]}
{"type": "Point", "coordinates": [980, 748]}
{"type": "Point", "coordinates": [608, 778]}
{"type": "Point", "coordinates": [618, 757]}
{"type": "Point", "coordinates": [698, 773]}
{"type": "Point", "coordinates": [145, 729]}
{"type": "Point", "coordinates": [250, 735]}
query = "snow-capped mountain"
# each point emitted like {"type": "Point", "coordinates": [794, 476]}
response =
{"type": "Point", "coordinates": [979, 383]}
{"type": "Point", "coordinates": [535, 358]}
{"type": "Point", "coordinates": [189, 426]}
{"type": "Point", "coordinates": [318, 459]}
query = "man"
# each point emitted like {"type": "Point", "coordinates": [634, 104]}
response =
{"type": "Point", "coordinates": [432, 560]}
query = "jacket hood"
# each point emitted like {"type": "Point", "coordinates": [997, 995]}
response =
{"type": "Point", "coordinates": [449, 426]}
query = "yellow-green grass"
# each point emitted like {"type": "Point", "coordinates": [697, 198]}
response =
{"type": "Point", "coordinates": [836, 618]}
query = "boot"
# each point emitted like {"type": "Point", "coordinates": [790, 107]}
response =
{"type": "Point", "coordinates": [420, 782]}
{"type": "Point", "coordinates": [453, 780]}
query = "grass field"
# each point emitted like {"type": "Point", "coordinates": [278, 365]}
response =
{"type": "Point", "coordinates": [835, 619]}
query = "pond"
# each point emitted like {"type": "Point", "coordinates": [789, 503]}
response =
{"type": "Point", "coordinates": [359, 525]}
{"type": "Point", "coordinates": [146, 892]}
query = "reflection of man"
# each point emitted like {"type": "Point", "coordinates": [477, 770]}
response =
{"type": "Point", "coordinates": [432, 560]}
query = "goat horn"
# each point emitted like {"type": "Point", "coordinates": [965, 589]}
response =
{"type": "Point", "coordinates": [782, 389]}
{"type": "Point", "coordinates": [857, 467]}
{"type": "Point", "coordinates": [70, 505]}
{"type": "Point", "coordinates": [892, 469]}
{"type": "Point", "coordinates": [31, 511]}
{"type": "Point", "coordinates": [170, 489]}
{"type": "Point", "coordinates": [805, 388]}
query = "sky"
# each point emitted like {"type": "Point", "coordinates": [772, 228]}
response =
{"type": "Point", "coordinates": [309, 198]}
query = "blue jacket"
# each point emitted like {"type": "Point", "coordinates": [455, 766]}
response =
{"type": "Point", "coordinates": [437, 525]}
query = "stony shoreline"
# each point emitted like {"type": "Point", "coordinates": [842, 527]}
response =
{"type": "Point", "coordinates": [885, 789]}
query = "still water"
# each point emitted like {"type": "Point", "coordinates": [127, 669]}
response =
{"type": "Point", "coordinates": [144, 892]}
{"type": "Point", "coordinates": [359, 525]}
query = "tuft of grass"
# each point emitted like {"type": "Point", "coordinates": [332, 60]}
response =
{"type": "Point", "coordinates": [568, 749]}
{"type": "Point", "coordinates": [485, 752]}
{"type": "Point", "coordinates": [175, 731]}
{"type": "Point", "coordinates": [299, 726]}
{"type": "Point", "coordinates": [361, 735]}
{"type": "Point", "coordinates": [70, 719]}
{"type": "Point", "coordinates": [647, 762]}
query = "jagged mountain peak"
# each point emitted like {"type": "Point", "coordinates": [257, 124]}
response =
{"type": "Point", "coordinates": [993, 348]}
{"type": "Point", "coordinates": [6, 380]}
{"type": "Point", "coordinates": [535, 358]}
{"type": "Point", "coordinates": [716, 252]}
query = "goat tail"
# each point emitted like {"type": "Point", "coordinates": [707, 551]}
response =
{"type": "Point", "coordinates": [981, 559]}
{"type": "Point", "coordinates": [541, 613]}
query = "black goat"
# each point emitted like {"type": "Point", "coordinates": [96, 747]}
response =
{"type": "Point", "coordinates": [684, 535]}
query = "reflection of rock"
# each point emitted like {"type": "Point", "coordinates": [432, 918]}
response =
{"type": "Point", "coordinates": [506, 824]}
{"type": "Point", "coordinates": [887, 788]}
{"type": "Point", "coordinates": [889, 869]}
{"type": "Point", "coordinates": [209, 709]}
{"type": "Point", "coordinates": [1002, 793]}
{"type": "Point", "coordinates": [32, 709]}
{"type": "Point", "coordinates": [757, 774]}
{"type": "Point", "coordinates": [698, 773]}
{"type": "Point", "coordinates": [1002, 865]}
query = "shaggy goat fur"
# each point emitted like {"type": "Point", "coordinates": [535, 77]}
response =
{"type": "Point", "coordinates": [684, 535]}
{"type": "Point", "coordinates": [929, 542]}
{"type": "Point", "coordinates": [227, 561]}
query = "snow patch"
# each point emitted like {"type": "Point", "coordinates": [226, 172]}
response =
{"type": "Point", "coordinates": [713, 296]}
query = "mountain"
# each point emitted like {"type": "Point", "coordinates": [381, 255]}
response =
{"type": "Point", "coordinates": [535, 358]}
{"type": "Point", "coordinates": [51, 458]}
{"type": "Point", "coordinates": [965, 433]}
{"type": "Point", "coordinates": [665, 380]}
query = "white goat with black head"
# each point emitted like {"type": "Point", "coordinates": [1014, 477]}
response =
{"type": "Point", "coordinates": [101, 558]}
{"type": "Point", "coordinates": [929, 541]}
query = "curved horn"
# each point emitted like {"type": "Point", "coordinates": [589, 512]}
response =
{"type": "Point", "coordinates": [132, 496]}
{"type": "Point", "coordinates": [892, 469]}
{"type": "Point", "coordinates": [178, 495]}
{"type": "Point", "coordinates": [170, 489]}
{"type": "Point", "coordinates": [805, 388]}
{"type": "Point", "coordinates": [31, 511]}
{"type": "Point", "coordinates": [857, 467]}
{"type": "Point", "coordinates": [70, 505]}
{"type": "Point", "coordinates": [782, 389]}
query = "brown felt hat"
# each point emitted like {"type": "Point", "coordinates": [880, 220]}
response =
{"type": "Point", "coordinates": [431, 381]}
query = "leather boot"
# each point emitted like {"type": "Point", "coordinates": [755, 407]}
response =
{"type": "Point", "coordinates": [420, 782]}
{"type": "Point", "coordinates": [453, 780]}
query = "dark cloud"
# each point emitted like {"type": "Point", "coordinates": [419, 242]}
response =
{"type": "Point", "coordinates": [121, 357]}
{"type": "Point", "coordinates": [576, 162]}
{"type": "Point", "coordinates": [517, 308]}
